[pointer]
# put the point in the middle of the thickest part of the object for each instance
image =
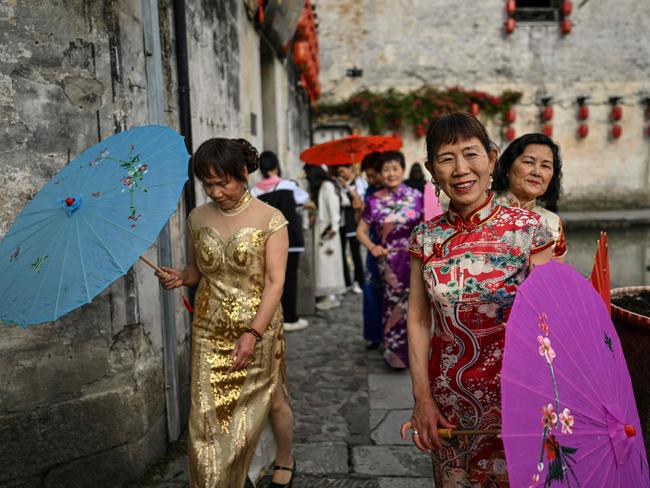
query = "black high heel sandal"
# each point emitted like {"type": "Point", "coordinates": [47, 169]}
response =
{"type": "Point", "coordinates": [284, 468]}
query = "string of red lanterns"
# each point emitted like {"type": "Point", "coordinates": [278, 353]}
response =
{"type": "Point", "coordinates": [616, 115]}
{"type": "Point", "coordinates": [510, 24]}
{"type": "Point", "coordinates": [509, 118]}
{"type": "Point", "coordinates": [583, 114]}
{"type": "Point", "coordinates": [305, 52]}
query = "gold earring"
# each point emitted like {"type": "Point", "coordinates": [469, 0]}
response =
{"type": "Point", "coordinates": [489, 187]}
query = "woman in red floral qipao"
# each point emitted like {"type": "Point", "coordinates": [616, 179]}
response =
{"type": "Point", "coordinates": [466, 266]}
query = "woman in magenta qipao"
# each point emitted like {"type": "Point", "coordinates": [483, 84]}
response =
{"type": "Point", "coordinates": [392, 212]}
{"type": "Point", "coordinates": [466, 266]}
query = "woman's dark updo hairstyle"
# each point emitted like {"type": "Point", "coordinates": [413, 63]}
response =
{"type": "Point", "coordinates": [386, 156]}
{"type": "Point", "coordinates": [269, 162]}
{"type": "Point", "coordinates": [516, 149]}
{"type": "Point", "coordinates": [225, 158]}
{"type": "Point", "coordinates": [452, 128]}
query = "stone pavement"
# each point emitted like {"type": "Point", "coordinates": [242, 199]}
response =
{"type": "Point", "coordinates": [348, 408]}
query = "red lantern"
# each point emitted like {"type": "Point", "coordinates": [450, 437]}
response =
{"type": "Point", "coordinates": [303, 26]}
{"type": "Point", "coordinates": [301, 54]}
{"type": "Point", "coordinates": [511, 115]}
{"type": "Point", "coordinates": [617, 112]}
{"type": "Point", "coordinates": [510, 25]}
{"type": "Point", "coordinates": [567, 7]}
{"type": "Point", "coordinates": [617, 130]}
{"type": "Point", "coordinates": [583, 112]}
{"type": "Point", "coordinates": [548, 130]}
{"type": "Point", "coordinates": [566, 26]}
{"type": "Point", "coordinates": [583, 130]}
{"type": "Point", "coordinates": [474, 109]}
{"type": "Point", "coordinates": [511, 7]}
{"type": "Point", "coordinates": [547, 113]}
{"type": "Point", "coordinates": [510, 133]}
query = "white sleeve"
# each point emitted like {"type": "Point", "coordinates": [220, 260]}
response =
{"type": "Point", "coordinates": [300, 196]}
{"type": "Point", "coordinates": [360, 187]}
{"type": "Point", "coordinates": [331, 200]}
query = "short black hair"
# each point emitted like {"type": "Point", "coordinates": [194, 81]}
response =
{"type": "Point", "coordinates": [452, 128]}
{"type": "Point", "coordinates": [516, 149]}
{"type": "Point", "coordinates": [386, 156]}
{"type": "Point", "coordinates": [269, 162]}
{"type": "Point", "coordinates": [370, 161]}
{"type": "Point", "coordinates": [226, 158]}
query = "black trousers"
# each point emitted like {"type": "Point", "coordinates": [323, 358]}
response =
{"type": "Point", "coordinates": [356, 259]}
{"type": "Point", "coordinates": [290, 292]}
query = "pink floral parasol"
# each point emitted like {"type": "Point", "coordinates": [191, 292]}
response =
{"type": "Point", "coordinates": [569, 416]}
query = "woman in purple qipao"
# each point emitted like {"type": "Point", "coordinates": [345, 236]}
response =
{"type": "Point", "coordinates": [392, 213]}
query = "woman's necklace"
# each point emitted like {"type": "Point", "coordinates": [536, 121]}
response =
{"type": "Point", "coordinates": [239, 207]}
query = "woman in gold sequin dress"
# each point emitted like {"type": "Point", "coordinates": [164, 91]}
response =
{"type": "Point", "coordinates": [237, 255]}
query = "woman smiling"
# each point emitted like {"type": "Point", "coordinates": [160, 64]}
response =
{"type": "Point", "coordinates": [466, 266]}
{"type": "Point", "coordinates": [392, 213]}
{"type": "Point", "coordinates": [530, 171]}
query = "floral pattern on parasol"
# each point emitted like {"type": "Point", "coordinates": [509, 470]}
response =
{"type": "Point", "coordinates": [560, 458]}
{"type": "Point", "coordinates": [569, 413]}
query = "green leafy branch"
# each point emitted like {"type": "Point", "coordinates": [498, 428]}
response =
{"type": "Point", "coordinates": [391, 110]}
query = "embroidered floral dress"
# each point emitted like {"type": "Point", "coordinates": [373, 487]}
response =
{"type": "Point", "coordinates": [471, 268]}
{"type": "Point", "coordinates": [392, 215]}
{"type": "Point", "coordinates": [553, 220]}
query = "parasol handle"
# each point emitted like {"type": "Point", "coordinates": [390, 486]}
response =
{"type": "Point", "coordinates": [449, 433]}
{"type": "Point", "coordinates": [146, 261]}
{"type": "Point", "coordinates": [186, 302]}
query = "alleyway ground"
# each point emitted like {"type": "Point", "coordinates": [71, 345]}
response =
{"type": "Point", "coordinates": [348, 409]}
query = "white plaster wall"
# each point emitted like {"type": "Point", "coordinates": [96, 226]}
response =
{"type": "Point", "coordinates": [250, 80]}
{"type": "Point", "coordinates": [406, 43]}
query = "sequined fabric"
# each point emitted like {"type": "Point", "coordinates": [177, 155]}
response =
{"type": "Point", "coordinates": [228, 410]}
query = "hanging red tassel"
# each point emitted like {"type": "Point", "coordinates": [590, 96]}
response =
{"type": "Point", "coordinates": [187, 304]}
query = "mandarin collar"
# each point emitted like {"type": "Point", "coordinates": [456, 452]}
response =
{"type": "Point", "coordinates": [399, 191]}
{"type": "Point", "coordinates": [478, 216]}
{"type": "Point", "coordinates": [513, 201]}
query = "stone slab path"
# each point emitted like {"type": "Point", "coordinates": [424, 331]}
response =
{"type": "Point", "coordinates": [348, 409]}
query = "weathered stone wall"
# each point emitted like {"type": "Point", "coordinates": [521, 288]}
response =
{"type": "Point", "coordinates": [82, 399]}
{"type": "Point", "coordinates": [404, 44]}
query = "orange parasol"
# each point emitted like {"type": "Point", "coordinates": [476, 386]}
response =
{"type": "Point", "coordinates": [600, 272]}
{"type": "Point", "coordinates": [349, 150]}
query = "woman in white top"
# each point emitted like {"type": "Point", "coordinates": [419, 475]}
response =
{"type": "Point", "coordinates": [328, 253]}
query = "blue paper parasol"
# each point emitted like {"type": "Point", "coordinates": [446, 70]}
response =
{"type": "Point", "coordinates": [90, 223]}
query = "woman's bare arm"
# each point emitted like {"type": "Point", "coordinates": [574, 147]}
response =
{"type": "Point", "coordinates": [426, 415]}
{"type": "Point", "coordinates": [277, 248]}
